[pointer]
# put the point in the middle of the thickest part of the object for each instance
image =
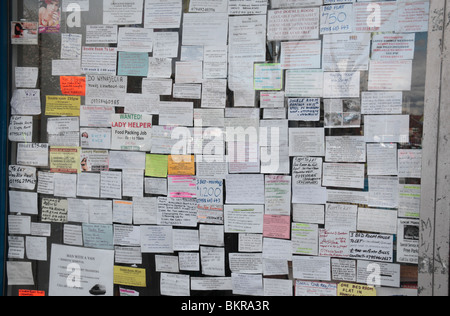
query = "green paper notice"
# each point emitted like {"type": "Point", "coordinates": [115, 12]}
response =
{"type": "Point", "coordinates": [156, 166]}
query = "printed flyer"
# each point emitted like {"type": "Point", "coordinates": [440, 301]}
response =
{"type": "Point", "coordinates": [49, 16]}
{"type": "Point", "coordinates": [131, 132]}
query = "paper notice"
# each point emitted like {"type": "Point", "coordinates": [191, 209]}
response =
{"type": "Point", "coordinates": [62, 105]}
{"type": "Point", "coordinates": [99, 60]}
{"type": "Point", "coordinates": [131, 132]}
{"type": "Point", "coordinates": [163, 14]}
{"type": "Point", "coordinates": [393, 46]}
{"type": "Point", "coordinates": [205, 29]}
{"type": "Point", "coordinates": [22, 177]}
{"type": "Point", "coordinates": [381, 102]}
{"type": "Point", "coordinates": [73, 85]}
{"type": "Point", "coordinates": [386, 128]}
{"type": "Point", "coordinates": [32, 154]}
{"type": "Point", "coordinates": [123, 12]}
{"type": "Point", "coordinates": [301, 55]}
{"type": "Point", "coordinates": [101, 34]}
{"type": "Point", "coordinates": [268, 77]}
{"type": "Point", "coordinates": [375, 17]}
{"type": "Point", "coordinates": [26, 101]}
{"type": "Point", "coordinates": [336, 19]}
{"type": "Point", "coordinates": [21, 129]}
{"type": "Point", "coordinates": [390, 75]}
{"type": "Point", "coordinates": [413, 16]}
{"type": "Point", "coordinates": [304, 83]}
{"type": "Point", "coordinates": [244, 219]}
{"type": "Point", "coordinates": [26, 77]}
{"type": "Point", "coordinates": [343, 175]}
{"type": "Point", "coordinates": [96, 280]}
{"type": "Point", "coordinates": [293, 24]}
{"type": "Point", "coordinates": [65, 159]}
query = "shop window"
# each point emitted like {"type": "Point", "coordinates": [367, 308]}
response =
{"type": "Point", "coordinates": [215, 147]}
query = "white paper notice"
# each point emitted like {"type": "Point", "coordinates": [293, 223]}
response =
{"type": "Point", "coordinates": [32, 154]}
{"type": "Point", "coordinates": [413, 16]}
{"type": "Point", "coordinates": [26, 101]}
{"type": "Point", "coordinates": [340, 217]}
{"type": "Point", "coordinates": [71, 46]}
{"type": "Point", "coordinates": [245, 189]}
{"type": "Point", "coordinates": [386, 128]}
{"type": "Point", "coordinates": [23, 202]}
{"type": "Point", "coordinates": [343, 175]}
{"type": "Point", "coordinates": [312, 268]}
{"type": "Point", "coordinates": [341, 84]}
{"type": "Point", "coordinates": [175, 284]}
{"type": "Point", "coordinates": [293, 24]}
{"type": "Point", "coordinates": [299, 55]}
{"type": "Point", "coordinates": [336, 18]}
{"type": "Point", "coordinates": [21, 129]}
{"type": "Point", "coordinates": [383, 192]}
{"type": "Point", "coordinates": [345, 149]}
{"type": "Point", "coordinates": [123, 12]}
{"type": "Point", "coordinates": [101, 34]}
{"type": "Point", "coordinates": [393, 46]}
{"type": "Point", "coordinates": [245, 7]}
{"type": "Point", "coordinates": [111, 185]}
{"type": "Point", "coordinates": [244, 219]}
{"type": "Point", "coordinates": [215, 62]}
{"type": "Point", "coordinates": [375, 17]}
{"type": "Point", "coordinates": [156, 239]}
{"type": "Point", "coordinates": [133, 39]}
{"type": "Point", "coordinates": [208, 6]}
{"type": "Point", "coordinates": [163, 14]}
{"type": "Point", "coordinates": [177, 212]}
{"type": "Point", "coordinates": [26, 77]}
{"type": "Point", "coordinates": [381, 102]}
{"type": "Point", "coordinates": [307, 142]}
{"type": "Point", "coordinates": [247, 45]}
{"type": "Point", "coordinates": [205, 29]}
{"type": "Point", "coordinates": [410, 163]}
{"type": "Point", "coordinates": [277, 4]}
{"type": "Point", "coordinates": [346, 52]}
{"type": "Point", "coordinates": [22, 177]}
{"type": "Point", "coordinates": [304, 83]}
{"type": "Point", "coordinates": [19, 273]}
{"type": "Point", "coordinates": [408, 241]}
{"type": "Point", "coordinates": [90, 272]}
{"type": "Point", "coordinates": [99, 60]}
{"type": "Point", "coordinates": [374, 247]}
{"type": "Point", "coordinates": [377, 220]}
{"type": "Point", "coordinates": [390, 75]}
{"type": "Point", "coordinates": [305, 239]}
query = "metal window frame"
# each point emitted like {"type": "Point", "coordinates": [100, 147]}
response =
{"type": "Point", "coordinates": [4, 115]}
{"type": "Point", "coordinates": [435, 204]}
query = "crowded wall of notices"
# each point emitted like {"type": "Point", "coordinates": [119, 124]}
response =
{"type": "Point", "coordinates": [216, 147]}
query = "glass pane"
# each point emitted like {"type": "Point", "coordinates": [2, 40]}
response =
{"type": "Point", "coordinates": [214, 148]}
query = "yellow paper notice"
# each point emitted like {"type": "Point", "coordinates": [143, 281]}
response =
{"type": "Point", "coordinates": [58, 105]}
{"type": "Point", "coordinates": [181, 165]}
{"type": "Point", "coordinates": [130, 276]}
{"type": "Point", "coordinates": [351, 289]}
{"type": "Point", "coordinates": [156, 166]}
{"type": "Point", "coordinates": [65, 159]}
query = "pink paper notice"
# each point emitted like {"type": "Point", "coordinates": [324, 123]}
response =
{"type": "Point", "coordinates": [277, 226]}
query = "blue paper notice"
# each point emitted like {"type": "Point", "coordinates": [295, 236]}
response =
{"type": "Point", "coordinates": [98, 236]}
{"type": "Point", "coordinates": [133, 64]}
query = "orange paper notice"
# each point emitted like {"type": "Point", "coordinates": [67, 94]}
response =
{"type": "Point", "coordinates": [73, 85]}
{"type": "Point", "coordinates": [181, 165]}
{"type": "Point", "coordinates": [31, 293]}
